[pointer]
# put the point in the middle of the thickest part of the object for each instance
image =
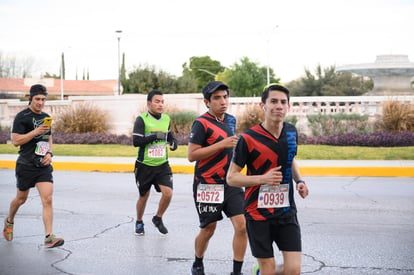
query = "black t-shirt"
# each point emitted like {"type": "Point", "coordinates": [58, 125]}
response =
{"type": "Point", "coordinates": [24, 122]}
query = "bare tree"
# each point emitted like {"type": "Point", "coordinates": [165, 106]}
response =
{"type": "Point", "coordinates": [13, 67]}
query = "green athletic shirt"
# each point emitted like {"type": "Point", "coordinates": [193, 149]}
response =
{"type": "Point", "coordinates": [154, 153]}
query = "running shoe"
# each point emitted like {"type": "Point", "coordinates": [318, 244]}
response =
{"type": "Point", "coordinates": [52, 241]}
{"type": "Point", "coordinates": [255, 269]}
{"type": "Point", "coordinates": [157, 221]}
{"type": "Point", "coordinates": [8, 230]}
{"type": "Point", "coordinates": [139, 228]}
{"type": "Point", "coordinates": [197, 270]}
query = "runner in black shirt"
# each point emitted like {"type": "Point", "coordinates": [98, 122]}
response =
{"type": "Point", "coordinates": [211, 145]}
{"type": "Point", "coordinates": [33, 166]}
{"type": "Point", "coordinates": [268, 150]}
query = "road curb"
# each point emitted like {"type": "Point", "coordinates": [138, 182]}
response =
{"type": "Point", "coordinates": [317, 171]}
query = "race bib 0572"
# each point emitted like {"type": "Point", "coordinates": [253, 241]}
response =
{"type": "Point", "coordinates": [210, 193]}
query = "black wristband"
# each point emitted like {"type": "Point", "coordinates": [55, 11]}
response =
{"type": "Point", "coordinates": [51, 154]}
{"type": "Point", "coordinates": [300, 181]}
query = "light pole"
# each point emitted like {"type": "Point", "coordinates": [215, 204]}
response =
{"type": "Point", "coordinates": [119, 60]}
{"type": "Point", "coordinates": [63, 72]}
{"type": "Point", "coordinates": [61, 78]}
{"type": "Point", "coordinates": [206, 71]}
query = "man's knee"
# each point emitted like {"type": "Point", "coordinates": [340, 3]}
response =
{"type": "Point", "coordinates": [20, 200]}
{"type": "Point", "coordinates": [167, 192]}
{"type": "Point", "coordinates": [21, 197]}
{"type": "Point", "coordinates": [209, 230]}
{"type": "Point", "coordinates": [47, 200]}
{"type": "Point", "coordinates": [239, 224]}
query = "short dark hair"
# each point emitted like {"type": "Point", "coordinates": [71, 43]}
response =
{"type": "Point", "coordinates": [38, 89]}
{"type": "Point", "coordinates": [152, 93]}
{"type": "Point", "coordinates": [274, 87]}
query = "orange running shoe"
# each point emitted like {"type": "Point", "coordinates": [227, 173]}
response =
{"type": "Point", "coordinates": [8, 230]}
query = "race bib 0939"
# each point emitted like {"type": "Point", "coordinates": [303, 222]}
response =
{"type": "Point", "coordinates": [273, 196]}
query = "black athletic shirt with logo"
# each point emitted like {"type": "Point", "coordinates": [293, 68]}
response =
{"type": "Point", "coordinates": [260, 151]}
{"type": "Point", "coordinates": [24, 122]}
{"type": "Point", "coordinates": [207, 130]}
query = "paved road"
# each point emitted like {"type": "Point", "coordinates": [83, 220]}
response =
{"type": "Point", "coordinates": [350, 225]}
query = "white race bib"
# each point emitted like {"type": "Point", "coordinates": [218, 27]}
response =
{"type": "Point", "coordinates": [210, 193]}
{"type": "Point", "coordinates": [273, 196]}
{"type": "Point", "coordinates": [156, 150]}
{"type": "Point", "coordinates": [42, 147]}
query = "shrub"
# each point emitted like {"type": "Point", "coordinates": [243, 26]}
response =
{"type": "Point", "coordinates": [338, 124]}
{"type": "Point", "coordinates": [396, 116]}
{"type": "Point", "coordinates": [181, 121]}
{"type": "Point", "coordinates": [91, 138]}
{"type": "Point", "coordinates": [252, 115]}
{"type": "Point", "coordinates": [377, 139]}
{"type": "Point", "coordinates": [4, 136]}
{"type": "Point", "coordinates": [182, 138]}
{"type": "Point", "coordinates": [82, 118]}
{"type": "Point", "coordinates": [292, 119]}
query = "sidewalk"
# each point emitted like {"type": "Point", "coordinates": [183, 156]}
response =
{"type": "Point", "coordinates": [363, 168]}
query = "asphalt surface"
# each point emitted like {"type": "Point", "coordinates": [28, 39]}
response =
{"type": "Point", "coordinates": [350, 225]}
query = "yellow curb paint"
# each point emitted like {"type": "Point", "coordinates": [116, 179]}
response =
{"type": "Point", "coordinates": [7, 164]}
{"type": "Point", "coordinates": [317, 171]}
{"type": "Point", "coordinates": [358, 171]}
{"type": "Point", "coordinates": [93, 166]}
{"type": "Point", "coordinates": [183, 169]}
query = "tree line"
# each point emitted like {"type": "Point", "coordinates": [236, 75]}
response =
{"type": "Point", "coordinates": [245, 77]}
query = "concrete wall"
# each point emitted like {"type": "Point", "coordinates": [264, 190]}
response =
{"type": "Point", "coordinates": [124, 109]}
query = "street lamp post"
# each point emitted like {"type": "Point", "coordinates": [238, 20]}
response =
{"type": "Point", "coordinates": [119, 60]}
{"type": "Point", "coordinates": [61, 78]}
{"type": "Point", "coordinates": [206, 71]}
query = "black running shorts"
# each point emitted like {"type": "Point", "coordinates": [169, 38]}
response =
{"type": "Point", "coordinates": [285, 232]}
{"type": "Point", "coordinates": [27, 175]}
{"type": "Point", "coordinates": [232, 205]}
{"type": "Point", "coordinates": [145, 176]}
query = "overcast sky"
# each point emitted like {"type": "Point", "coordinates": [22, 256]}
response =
{"type": "Point", "coordinates": [289, 35]}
